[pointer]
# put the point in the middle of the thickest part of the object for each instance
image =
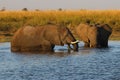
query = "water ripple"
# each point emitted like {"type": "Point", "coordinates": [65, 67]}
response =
{"type": "Point", "coordinates": [87, 64]}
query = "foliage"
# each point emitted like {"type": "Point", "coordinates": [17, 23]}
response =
{"type": "Point", "coordinates": [12, 20]}
{"type": "Point", "coordinates": [24, 9]}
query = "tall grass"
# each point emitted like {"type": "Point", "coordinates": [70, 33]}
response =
{"type": "Point", "coordinates": [16, 19]}
{"type": "Point", "coordinates": [10, 21]}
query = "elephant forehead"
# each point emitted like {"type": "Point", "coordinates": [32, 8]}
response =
{"type": "Point", "coordinates": [29, 31]}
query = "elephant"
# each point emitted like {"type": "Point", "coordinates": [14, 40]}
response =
{"type": "Point", "coordinates": [94, 36]}
{"type": "Point", "coordinates": [42, 38]}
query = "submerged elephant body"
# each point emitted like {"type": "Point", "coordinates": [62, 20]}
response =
{"type": "Point", "coordinates": [41, 38]}
{"type": "Point", "coordinates": [94, 35]}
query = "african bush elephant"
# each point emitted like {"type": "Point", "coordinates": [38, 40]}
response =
{"type": "Point", "coordinates": [94, 35]}
{"type": "Point", "coordinates": [42, 38]}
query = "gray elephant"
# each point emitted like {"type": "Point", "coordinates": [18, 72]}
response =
{"type": "Point", "coordinates": [94, 35]}
{"type": "Point", "coordinates": [42, 38]}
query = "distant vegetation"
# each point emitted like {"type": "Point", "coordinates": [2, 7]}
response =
{"type": "Point", "coordinates": [10, 21]}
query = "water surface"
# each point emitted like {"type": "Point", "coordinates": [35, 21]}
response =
{"type": "Point", "coordinates": [87, 64]}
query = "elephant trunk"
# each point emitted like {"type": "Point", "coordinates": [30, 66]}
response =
{"type": "Point", "coordinates": [75, 45]}
{"type": "Point", "coordinates": [68, 39]}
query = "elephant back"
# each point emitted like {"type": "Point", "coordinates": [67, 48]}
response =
{"type": "Point", "coordinates": [82, 32]}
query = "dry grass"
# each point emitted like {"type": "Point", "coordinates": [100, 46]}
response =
{"type": "Point", "coordinates": [115, 35]}
{"type": "Point", "coordinates": [10, 21]}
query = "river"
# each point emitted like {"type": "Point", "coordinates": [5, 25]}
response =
{"type": "Point", "coordinates": [86, 64]}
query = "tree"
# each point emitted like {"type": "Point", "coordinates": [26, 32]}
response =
{"type": "Point", "coordinates": [3, 9]}
{"type": "Point", "coordinates": [37, 10]}
{"type": "Point", "coordinates": [60, 9]}
{"type": "Point", "coordinates": [24, 9]}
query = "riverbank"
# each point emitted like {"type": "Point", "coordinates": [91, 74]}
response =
{"type": "Point", "coordinates": [115, 35]}
{"type": "Point", "coordinates": [11, 21]}
{"type": "Point", "coordinates": [7, 37]}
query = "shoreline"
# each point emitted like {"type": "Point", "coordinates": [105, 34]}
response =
{"type": "Point", "coordinates": [8, 38]}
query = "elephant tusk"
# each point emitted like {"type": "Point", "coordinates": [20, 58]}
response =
{"type": "Point", "coordinates": [77, 41]}
{"type": "Point", "coordinates": [90, 45]}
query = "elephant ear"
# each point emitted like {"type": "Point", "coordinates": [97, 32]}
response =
{"type": "Point", "coordinates": [61, 29]}
{"type": "Point", "coordinates": [52, 34]}
{"type": "Point", "coordinates": [63, 32]}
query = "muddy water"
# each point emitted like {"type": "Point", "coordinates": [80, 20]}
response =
{"type": "Point", "coordinates": [87, 64]}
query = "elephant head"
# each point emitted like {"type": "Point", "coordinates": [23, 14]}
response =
{"type": "Point", "coordinates": [68, 38]}
{"type": "Point", "coordinates": [94, 35]}
{"type": "Point", "coordinates": [60, 35]}
{"type": "Point", "coordinates": [104, 32]}
{"type": "Point", "coordinates": [42, 38]}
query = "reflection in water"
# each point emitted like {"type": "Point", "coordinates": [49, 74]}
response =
{"type": "Point", "coordinates": [86, 64]}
